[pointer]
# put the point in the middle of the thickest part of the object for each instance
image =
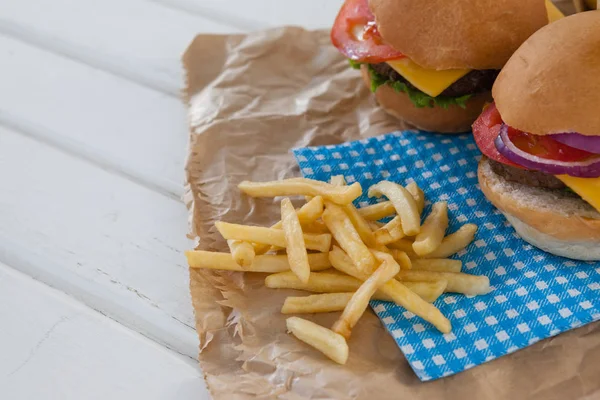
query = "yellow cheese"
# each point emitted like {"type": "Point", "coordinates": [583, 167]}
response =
{"type": "Point", "coordinates": [435, 82]}
{"type": "Point", "coordinates": [587, 188]}
{"type": "Point", "coordinates": [554, 13]}
{"type": "Point", "coordinates": [426, 80]}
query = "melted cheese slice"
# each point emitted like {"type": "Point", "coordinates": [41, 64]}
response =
{"type": "Point", "coordinates": [554, 14]}
{"type": "Point", "coordinates": [426, 80]}
{"type": "Point", "coordinates": [587, 188]}
{"type": "Point", "coordinates": [435, 82]}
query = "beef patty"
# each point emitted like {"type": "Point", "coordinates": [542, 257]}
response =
{"type": "Point", "coordinates": [526, 177]}
{"type": "Point", "coordinates": [476, 81]}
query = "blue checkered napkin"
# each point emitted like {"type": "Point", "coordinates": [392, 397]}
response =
{"type": "Point", "coordinates": [534, 295]}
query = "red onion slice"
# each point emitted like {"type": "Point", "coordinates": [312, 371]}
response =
{"type": "Point", "coordinates": [589, 168]}
{"type": "Point", "coordinates": [579, 141]}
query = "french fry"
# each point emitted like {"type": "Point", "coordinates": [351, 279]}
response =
{"type": "Point", "coordinates": [390, 232]}
{"type": "Point", "coordinates": [316, 303]}
{"type": "Point", "coordinates": [417, 194]}
{"type": "Point", "coordinates": [322, 282]}
{"type": "Point", "coordinates": [404, 203]}
{"type": "Point", "coordinates": [343, 263]}
{"type": "Point", "coordinates": [329, 282]}
{"type": "Point", "coordinates": [377, 211]}
{"type": "Point", "coordinates": [261, 263]}
{"type": "Point", "coordinates": [436, 265]}
{"type": "Point", "coordinates": [302, 187]}
{"type": "Point", "coordinates": [404, 245]}
{"type": "Point", "coordinates": [455, 242]}
{"type": "Point", "coordinates": [374, 225]}
{"type": "Point", "coordinates": [348, 238]}
{"type": "Point", "coordinates": [270, 236]}
{"type": "Point", "coordinates": [360, 223]}
{"type": "Point", "coordinates": [317, 227]}
{"type": "Point", "coordinates": [325, 340]}
{"type": "Point", "coordinates": [402, 258]}
{"type": "Point", "coordinates": [330, 302]}
{"type": "Point", "coordinates": [384, 257]}
{"type": "Point", "coordinates": [338, 180]}
{"type": "Point", "coordinates": [311, 211]}
{"type": "Point", "coordinates": [399, 293]}
{"type": "Point", "coordinates": [294, 239]}
{"type": "Point", "coordinates": [360, 299]}
{"type": "Point", "coordinates": [382, 249]}
{"type": "Point", "coordinates": [384, 237]}
{"type": "Point", "coordinates": [308, 214]}
{"type": "Point", "coordinates": [242, 252]}
{"type": "Point", "coordinates": [457, 282]}
{"type": "Point", "coordinates": [394, 223]}
{"type": "Point", "coordinates": [428, 291]}
{"type": "Point", "coordinates": [433, 230]}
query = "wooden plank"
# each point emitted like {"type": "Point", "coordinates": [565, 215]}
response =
{"type": "Point", "coordinates": [114, 122]}
{"type": "Point", "coordinates": [114, 245]}
{"type": "Point", "coordinates": [90, 129]}
{"type": "Point", "coordinates": [260, 14]}
{"type": "Point", "coordinates": [135, 39]}
{"type": "Point", "coordinates": [56, 348]}
{"type": "Point", "coordinates": [115, 85]}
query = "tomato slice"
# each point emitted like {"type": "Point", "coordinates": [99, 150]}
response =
{"type": "Point", "coordinates": [356, 36]}
{"type": "Point", "coordinates": [485, 131]}
{"type": "Point", "coordinates": [487, 128]}
{"type": "Point", "coordinates": [546, 147]}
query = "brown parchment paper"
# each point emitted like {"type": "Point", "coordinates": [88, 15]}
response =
{"type": "Point", "coordinates": [252, 98]}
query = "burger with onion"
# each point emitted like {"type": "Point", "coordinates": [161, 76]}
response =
{"type": "Point", "coordinates": [541, 139]}
{"type": "Point", "coordinates": [432, 63]}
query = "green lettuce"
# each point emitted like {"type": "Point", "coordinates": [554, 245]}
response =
{"type": "Point", "coordinates": [419, 99]}
{"type": "Point", "coordinates": [354, 64]}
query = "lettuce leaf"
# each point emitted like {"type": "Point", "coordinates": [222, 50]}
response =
{"type": "Point", "coordinates": [419, 99]}
{"type": "Point", "coordinates": [354, 64]}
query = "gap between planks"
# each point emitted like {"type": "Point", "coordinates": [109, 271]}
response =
{"type": "Point", "coordinates": [94, 59]}
{"type": "Point", "coordinates": [147, 321]}
{"type": "Point", "coordinates": [188, 7]}
{"type": "Point", "coordinates": [82, 152]}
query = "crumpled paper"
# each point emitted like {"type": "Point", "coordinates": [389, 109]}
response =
{"type": "Point", "coordinates": [252, 98]}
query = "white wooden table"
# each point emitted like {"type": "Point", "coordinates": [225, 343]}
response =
{"type": "Point", "coordinates": [94, 300]}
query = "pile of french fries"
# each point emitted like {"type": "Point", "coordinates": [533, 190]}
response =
{"type": "Point", "coordinates": [330, 247]}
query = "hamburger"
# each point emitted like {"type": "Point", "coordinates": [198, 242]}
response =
{"type": "Point", "coordinates": [541, 139]}
{"type": "Point", "coordinates": [433, 63]}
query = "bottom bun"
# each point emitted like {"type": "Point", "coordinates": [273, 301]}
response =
{"type": "Point", "coordinates": [452, 120]}
{"type": "Point", "coordinates": [553, 220]}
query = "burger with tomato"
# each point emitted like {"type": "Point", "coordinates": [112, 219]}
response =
{"type": "Point", "coordinates": [433, 63]}
{"type": "Point", "coordinates": [541, 139]}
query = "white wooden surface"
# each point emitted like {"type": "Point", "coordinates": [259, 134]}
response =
{"type": "Point", "coordinates": [93, 285]}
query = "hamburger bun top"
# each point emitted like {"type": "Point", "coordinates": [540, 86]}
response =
{"type": "Point", "coordinates": [552, 82]}
{"type": "Point", "coordinates": [449, 34]}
